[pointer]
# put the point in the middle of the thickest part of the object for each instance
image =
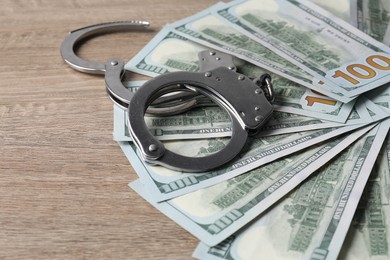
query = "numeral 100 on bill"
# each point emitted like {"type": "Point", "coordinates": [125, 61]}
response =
{"type": "Point", "coordinates": [376, 65]}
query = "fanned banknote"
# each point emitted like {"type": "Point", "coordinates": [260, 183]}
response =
{"type": "Point", "coordinates": [292, 192]}
{"type": "Point", "coordinates": [169, 52]}
{"type": "Point", "coordinates": [369, 234]}
{"type": "Point", "coordinates": [163, 183]}
{"type": "Point", "coordinates": [212, 31]}
{"type": "Point", "coordinates": [312, 222]}
{"type": "Point", "coordinates": [212, 122]}
{"type": "Point", "coordinates": [341, 56]}
{"type": "Point", "coordinates": [214, 213]}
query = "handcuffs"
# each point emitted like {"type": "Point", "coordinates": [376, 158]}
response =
{"type": "Point", "coordinates": [247, 101]}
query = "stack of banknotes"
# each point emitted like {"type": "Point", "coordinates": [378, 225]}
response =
{"type": "Point", "coordinates": [315, 183]}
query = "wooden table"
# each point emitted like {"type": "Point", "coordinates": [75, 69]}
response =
{"type": "Point", "coordinates": [63, 180]}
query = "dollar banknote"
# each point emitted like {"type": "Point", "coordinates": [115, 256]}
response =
{"type": "Point", "coordinates": [163, 183]}
{"type": "Point", "coordinates": [341, 56]}
{"type": "Point", "coordinates": [212, 31]}
{"type": "Point", "coordinates": [311, 222]}
{"type": "Point", "coordinates": [169, 52]}
{"type": "Point", "coordinates": [371, 17]}
{"type": "Point", "coordinates": [364, 111]}
{"type": "Point", "coordinates": [293, 190]}
{"type": "Point", "coordinates": [214, 213]}
{"type": "Point", "coordinates": [369, 234]}
{"type": "Point", "coordinates": [212, 122]}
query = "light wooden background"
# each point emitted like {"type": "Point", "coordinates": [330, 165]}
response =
{"type": "Point", "coordinates": [63, 180]}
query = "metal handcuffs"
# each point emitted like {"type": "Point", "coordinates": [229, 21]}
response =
{"type": "Point", "coordinates": [247, 101]}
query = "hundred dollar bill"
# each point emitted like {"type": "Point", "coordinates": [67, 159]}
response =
{"type": "Point", "coordinates": [344, 58]}
{"type": "Point", "coordinates": [371, 17]}
{"type": "Point", "coordinates": [214, 213]}
{"type": "Point", "coordinates": [211, 122]}
{"type": "Point", "coordinates": [369, 234]}
{"type": "Point", "coordinates": [365, 110]}
{"type": "Point", "coordinates": [169, 52]}
{"type": "Point", "coordinates": [312, 222]}
{"type": "Point", "coordinates": [213, 32]}
{"type": "Point", "coordinates": [163, 183]}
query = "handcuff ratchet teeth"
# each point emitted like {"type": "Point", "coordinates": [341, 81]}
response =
{"type": "Point", "coordinates": [247, 101]}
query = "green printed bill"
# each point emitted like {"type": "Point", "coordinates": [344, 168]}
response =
{"type": "Point", "coordinates": [212, 31]}
{"type": "Point", "coordinates": [369, 234]}
{"type": "Point", "coordinates": [162, 183]}
{"type": "Point", "coordinates": [311, 222]}
{"type": "Point", "coordinates": [213, 122]}
{"type": "Point", "coordinates": [371, 17]}
{"type": "Point", "coordinates": [344, 58]}
{"type": "Point", "coordinates": [169, 52]}
{"type": "Point", "coordinates": [213, 214]}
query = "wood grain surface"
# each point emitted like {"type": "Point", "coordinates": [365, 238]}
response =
{"type": "Point", "coordinates": [63, 180]}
